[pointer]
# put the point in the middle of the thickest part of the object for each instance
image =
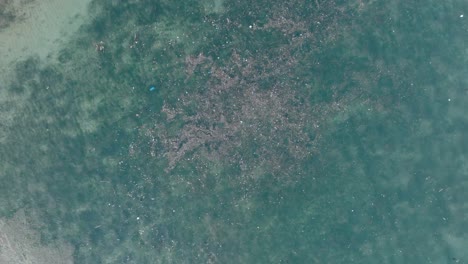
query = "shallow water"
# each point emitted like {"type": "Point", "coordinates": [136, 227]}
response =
{"type": "Point", "coordinates": [306, 132]}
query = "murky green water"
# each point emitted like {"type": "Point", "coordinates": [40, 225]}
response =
{"type": "Point", "coordinates": [298, 132]}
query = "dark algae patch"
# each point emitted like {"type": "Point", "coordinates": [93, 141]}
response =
{"type": "Point", "coordinates": [276, 132]}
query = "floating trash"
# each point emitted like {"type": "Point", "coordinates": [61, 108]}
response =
{"type": "Point", "coordinates": [152, 88]}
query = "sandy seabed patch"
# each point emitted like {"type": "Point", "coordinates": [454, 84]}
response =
{"type": "Point", "coordinates": [20, 244]}
{"type": "Point", "coordinates": [38, 29]}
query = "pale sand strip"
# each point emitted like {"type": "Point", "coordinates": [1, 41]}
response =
{"type": "Point", "coordinates": [41, 26]}
{"type": "Point", "coordinates": [20, 244]}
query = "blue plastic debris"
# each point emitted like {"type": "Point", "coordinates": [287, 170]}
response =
{"type": "Point", "coordinates": [152, 88]}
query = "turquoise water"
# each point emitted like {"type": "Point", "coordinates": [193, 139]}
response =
{"type": "Point", "coordinates": [299, 132]}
